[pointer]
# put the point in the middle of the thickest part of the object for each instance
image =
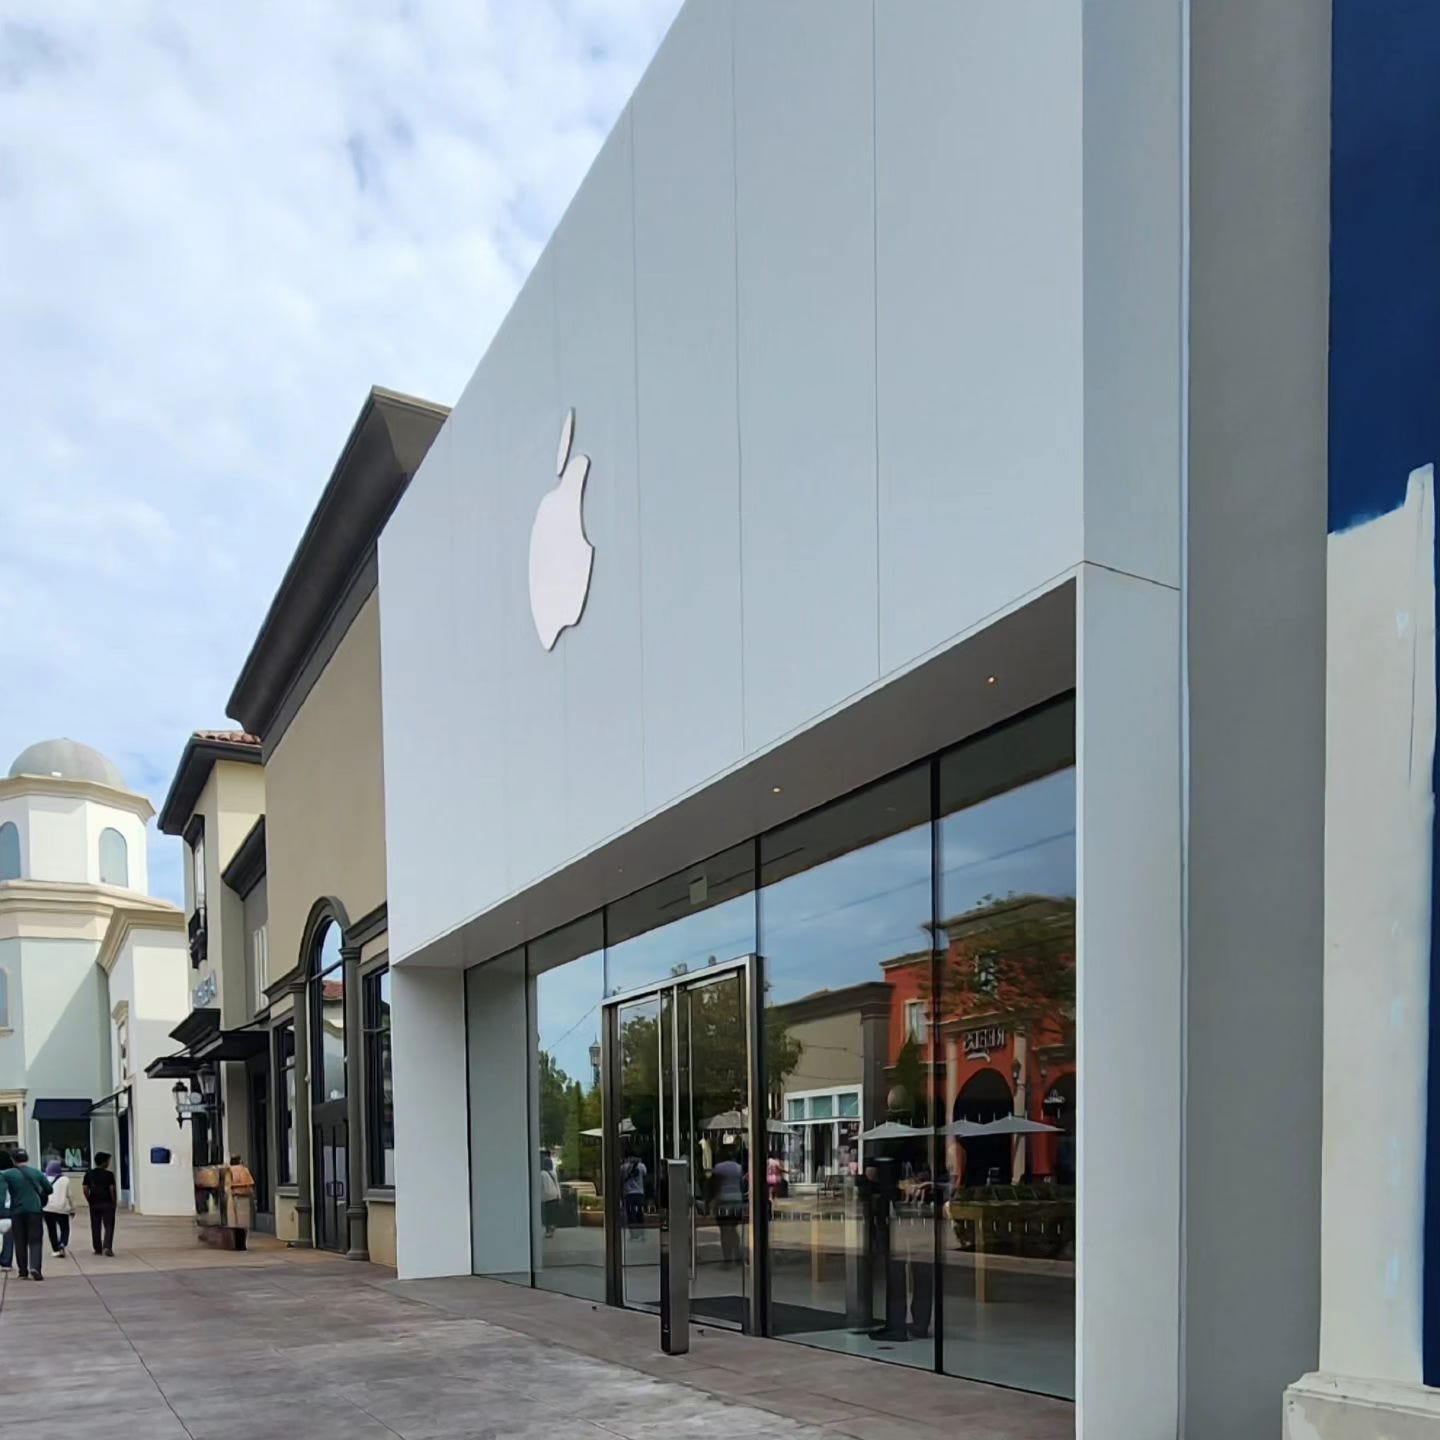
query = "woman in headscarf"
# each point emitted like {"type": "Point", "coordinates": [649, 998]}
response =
{"type": "Point", "coordinates": [58, 1209]}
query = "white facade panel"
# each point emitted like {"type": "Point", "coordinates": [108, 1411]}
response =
{"type": "Point", "coordinates": [979, 281]}
{"type": "Point", "coordinates": [688, 433]}
{"type": "Point", "coordinates": [805, 258]}
{"type": "Point", "coordinates": [603, 710]}
{"type": "Point", "coordinates": [725, 389]}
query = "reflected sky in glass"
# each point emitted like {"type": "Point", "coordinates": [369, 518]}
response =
{"type": "Point", "coordinates": [1019, 843]}
{"type": "Point", "coordinates": [567, 1013]}
{"type": "Point", "coordinates": [721, 932]}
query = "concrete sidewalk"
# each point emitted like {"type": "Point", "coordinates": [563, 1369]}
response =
{"type": "Point", "coordinates": [171, 1339]}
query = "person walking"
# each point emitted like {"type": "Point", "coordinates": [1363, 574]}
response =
{"type": "Point", "coordinates": [7, 1241]}
{"type": "Point", "coordinates": [27, 1190]}
{"type": "Point", "coordinates": [549, 1193]}
{"type": "Point", "coordinates": [99, 1187]}
{"type": "Point", "coordinates": [58, 1209]}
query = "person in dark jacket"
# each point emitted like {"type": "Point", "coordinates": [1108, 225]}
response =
{"type": "Point", "coordinates": [27, 1191]}
{"type": "Point", "coordinates": [99, 1186]}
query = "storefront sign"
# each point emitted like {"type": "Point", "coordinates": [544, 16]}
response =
{"type": "Point", "coordinates": [979, 1043]}
{"type": "Point", "coordinates": [204, 992]}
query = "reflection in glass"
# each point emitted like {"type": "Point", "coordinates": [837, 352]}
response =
{"type": "Point", "coordinates": [330, 994]}
{"type": "Point", "coordinates": [567, 970]}
{"type": "Point", "coordinates": [642, 1143]}
{"type": "Point", "coordinates": [683, 923]}
{"type": "Point", "coordinates": [846, 903]}
{"type": "Point", "coordinates": [713, 1093]}
{"type": "Point", "coordinates": [1005, 1047]}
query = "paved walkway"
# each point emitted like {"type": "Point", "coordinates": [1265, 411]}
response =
{"type": "Point", "coordinates": [172, 1340]}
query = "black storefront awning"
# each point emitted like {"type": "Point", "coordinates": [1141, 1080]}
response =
{"type": "Point", "coordinates": [196, 1026]}
{"type": "Point", "coordinates": [110, 1104]}
{"type": "Point", "coordinates": [61, 1110]}
{"type": "Point", "coordinates": [180, 1066]}
{"type": "Point", "coordinates": [232, 1045]}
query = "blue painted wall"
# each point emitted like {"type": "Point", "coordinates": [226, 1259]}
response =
{"type": "Point", "coordinates": [1384, 253]}
{"type": "Point", "coordinates": [1385, 353]}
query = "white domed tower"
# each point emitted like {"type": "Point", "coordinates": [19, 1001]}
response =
{"type": "Point", "coordinates": [93, 974]}
{"type": "Point", "coordinates": [66, 816]}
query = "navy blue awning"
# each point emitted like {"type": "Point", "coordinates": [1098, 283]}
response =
{"type": "Point", "coordinates": [61, 1110]}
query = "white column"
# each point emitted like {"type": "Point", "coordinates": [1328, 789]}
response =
{"type": "Point", "coordinates": [1129, 1018]}
{"type": "Point", "coordinates": [432, 1171]}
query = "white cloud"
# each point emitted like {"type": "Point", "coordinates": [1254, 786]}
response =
{"type": "Point", "coordinates": [219, 225]}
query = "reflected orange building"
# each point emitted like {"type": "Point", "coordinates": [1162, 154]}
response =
{"type": "Point", "coordinates": [1005, 1041]}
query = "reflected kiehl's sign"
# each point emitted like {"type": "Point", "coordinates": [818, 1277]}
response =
{"type": "Point", "coordinates": [984, 1040]}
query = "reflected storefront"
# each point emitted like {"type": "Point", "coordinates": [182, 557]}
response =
{"type": "Point", "coordinates": [859, 1029]}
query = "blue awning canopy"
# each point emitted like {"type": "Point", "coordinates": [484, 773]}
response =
{"type": "Point", "coordinates": [61, 1110]}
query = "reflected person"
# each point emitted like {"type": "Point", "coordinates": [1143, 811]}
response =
{"type": "Point", "coordinates": [727, 1203]}
{"type": "Point", "coordinates": [632, 1189]}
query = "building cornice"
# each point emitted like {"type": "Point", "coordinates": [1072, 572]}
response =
{"type": "Point", "coordinates": [247, 866]}
{"type": "Point", "coordinates": [19, 786]}
{"type": "Point", "coordinates": [42, 900]}
{"type": "Point", "coordinates": [200, 756]}
{"type": "Point", "coordinates": [127, 920]}
{"type": "Point", "coordinates": [390, 438]}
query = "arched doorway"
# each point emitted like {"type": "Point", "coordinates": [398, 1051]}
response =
{"type": "Point", "coordinates": [328, 1087]}
{"type": "Point", "coordinates": [986, 1096]}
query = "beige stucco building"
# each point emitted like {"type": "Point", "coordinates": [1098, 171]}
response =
{"type": "Point", "coordinates": [297, 941]}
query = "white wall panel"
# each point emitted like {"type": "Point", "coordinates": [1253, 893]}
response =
{"type": "Point", "coordinates": [522, 373]}
{"type": "Point", "coordinates": [603, 713]}
{"type": "Point", "coordinates": [978, 211]}
{"type": "Point", "coordinates": [689, 464]}
{"type": "Point", "coordinates": [805, 244]}
{"type": "Point", "coordinates": [763, 553]}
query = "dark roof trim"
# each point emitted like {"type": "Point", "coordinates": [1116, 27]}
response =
{"type": "Point", "coordinates": [389, 440]}
{"type": "Point", "coordinates": [196, 762]}
{"type": "Point", "coordinates": [247, 866]}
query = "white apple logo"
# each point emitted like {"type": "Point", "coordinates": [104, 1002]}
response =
{"type": "Point", "coordinates": [560, 555]}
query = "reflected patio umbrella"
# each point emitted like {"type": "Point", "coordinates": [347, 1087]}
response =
{"type": "Point", "coordinates": [597, 1132]}
{"type": "Point", "coordinates": [892, 1130]}
{"type": "Point", "coordinates": [966, 1129]}
{"type": "Point", "coordinates": [740, 1120]}
{"type": "Point", "coordinates": [1014, 1125]}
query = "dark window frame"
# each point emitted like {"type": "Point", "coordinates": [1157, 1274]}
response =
{"type": "Point", "coordinates": [379, 1065]}
{"type": "Point", "coordinates": [283, 1067]}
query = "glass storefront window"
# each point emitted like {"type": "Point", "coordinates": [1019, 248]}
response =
{"type": "Point", "coordinates": [285, 1066]}
{"type": "Point", "coordinates": [845, 913]}
{"type": "Point", "coordinates": [567, 976]}
{"type": "Point", "coordinates": [683, 923]}
{"type": "Point", "coordinates": [918, 1042]}
{"type": "Point", "coordinates": [1006, 1050]}
{"type": "Point", "coordinates": [67, 1141]}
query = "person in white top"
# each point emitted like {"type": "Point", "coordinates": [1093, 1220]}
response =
{"type": "Point", "coordinates": [549, 1192]}
{"type": "Point", "coordinates": [58, 1209]}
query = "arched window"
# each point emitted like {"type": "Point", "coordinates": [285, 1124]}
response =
{"type": "Point", "coordinates": [114, 858]}
{"type": "Point", "coordinates": [9, 851]}
{"type": "Point", "coordinates": [4, 1000]}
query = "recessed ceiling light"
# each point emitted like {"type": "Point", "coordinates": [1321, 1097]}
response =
{"type": "Point", "coordinates": [774, 789]}
{"type": "Point", "coordinates": [989, 679]}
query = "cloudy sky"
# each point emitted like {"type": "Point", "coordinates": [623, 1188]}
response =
{"type": "Point", "coordinates": [219, 225]}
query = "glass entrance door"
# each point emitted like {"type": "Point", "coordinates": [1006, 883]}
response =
{"type": "Point", "coordinates": [330, 1174]}
{"type": "Point", "coordinates": [680, 1061]}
